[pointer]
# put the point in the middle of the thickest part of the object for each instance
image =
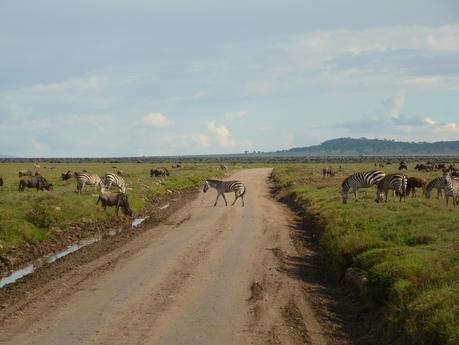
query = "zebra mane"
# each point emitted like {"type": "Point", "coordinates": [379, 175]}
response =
{"type": "Point", "coordinates": [213, 181]}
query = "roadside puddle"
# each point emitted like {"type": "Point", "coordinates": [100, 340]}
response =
{"type": "Point", "coordinates": [52, 257]}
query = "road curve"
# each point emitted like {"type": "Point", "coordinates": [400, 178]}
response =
{"type": "Point", "coordinates": [207, 275]}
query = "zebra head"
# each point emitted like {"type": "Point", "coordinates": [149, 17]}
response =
{"type": "Point", "coordinates": [206, 186]}
{"type": "Point", "coordinates": [379, 194]}
{"type": "Point", "coordinates": [446, 177]}
{"type": "Point", "coordinates": [427, 193]}
{"type": "Point", "coordinates": [344, 192]}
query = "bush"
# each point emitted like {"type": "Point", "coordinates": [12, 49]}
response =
{"type": "Point", "coordinates": [41, 217]}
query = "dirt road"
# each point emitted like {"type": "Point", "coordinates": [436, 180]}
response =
{"type": "Point", "coordinates": [207, 275]}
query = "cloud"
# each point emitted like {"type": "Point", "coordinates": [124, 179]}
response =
{"type": "Point", "coordinates": [404, 127]}
{"type": "Point", "coordinates": [79, 84]}
{"type": "Point", "coordinates": [397, 104]}
{"type": "Point", "coordinates": [221, 133]}
{"type": "Point", "coordinates": [157, 120]}
{"type": "Point", "coordinates": [200, 139]}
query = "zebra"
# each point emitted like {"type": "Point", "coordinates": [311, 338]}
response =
{"type": "Point", "coordinates": [87, 178]}
{"type": "Point", "coordinates": [360, 180]}
{"type": "Point", "coordinates": [395, 182]}
{"type": "Point", "coordinates": [112, 178]}
{"type": "Point", "coordinates": [223, 187]}
{"type": "Point", "coordinates": [437, 183]}
{"type": "Point", "coordinates": [451, 188]}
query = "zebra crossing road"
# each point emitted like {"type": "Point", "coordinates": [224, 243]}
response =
{"type": "Point", "coordinates": [206, 275]}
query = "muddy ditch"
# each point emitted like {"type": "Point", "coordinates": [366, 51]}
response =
{"type": "Point", "coordinates": [17, 262]}
{"type": "Point", "coordinates": [335, 300]}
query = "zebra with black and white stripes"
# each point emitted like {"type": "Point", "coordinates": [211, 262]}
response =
{"type": "Point", "coordinates": [223, 187]}
{"type": "Point", "coordinates": [360, 180]}
{"type": "Point", "coordinates": [451, 188]}
{"type": "Point", "coordinates": [395, 182]}
{"type": "Point", "coordinates": [84, 178]}
{"type": "Point", "coordinates": [437, 183]}
{"type": "Point", "coordinates": [113, 179]}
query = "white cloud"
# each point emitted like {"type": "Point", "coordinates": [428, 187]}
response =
{"type": "Point", "coordinates": [397, 103]}
{"type": "Point", "coordinates": [428, 121]}
{"type": "Point", "coordinates": [79, 84]}
{"type": "Point", "coordinates": [200, 139]}
{"type": "Point", "coordinates": [221, 133]}
{"type": "Point", "coordinates": [157, 120]}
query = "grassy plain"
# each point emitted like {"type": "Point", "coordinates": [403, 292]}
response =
{"type": "Point", "coordinates": [408, 251]}
{"type": "Point", "coordinates": [31, 216]}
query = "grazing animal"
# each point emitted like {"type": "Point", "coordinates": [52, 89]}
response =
{"type": "Point", "coordinates": [115, 199]}
{"type": "Point", "coordinates": [38, 182]}
{"type": "Point", "coordinates": [159, 172]}
{"type": "Point", "coordinates": [451, 189]}
{"type": "Point", "coordinates": [328, 172]}
{"type": "Point", "coordinates": [413, 183]}
{"type": "Point", "coordinates": [119, 172]}
{"type": "Point", "coordinates": [84, 178]}
{"type": "Point", "coordinates": [113, 179]}
{"type": "Point", "coordinates": [223, 187]}
{"type": "Point", "coordinates": [402, 166]}
{"type": "Point", "coordinates": [223, 167]}
{"type": "Point", "coordinates": [22, 173]}
{"type": "Point", "coordinates": [67, 176]}
{"type": "Point", "coordinates": [437, 183]}
{"type": "Point", "coordinates": [395, 182]}
{"type": "Point", "coordinates": [360, 180]}
{"type": "Point", "coordinates": [1, 181]}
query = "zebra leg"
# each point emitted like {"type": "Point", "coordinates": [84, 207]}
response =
{"type": "Point", "coordinates": [80, 190]}
{"type": "Point", "coordinates": [355, 194]}
{"type": "Point", "coordinates": [235, 198]}
{"type": "Point", "coordinates": [224, 198]}
{"type": "Point", "coordinates": [218, 195]}
{"type": "Point", "coordinates": [242, 197]}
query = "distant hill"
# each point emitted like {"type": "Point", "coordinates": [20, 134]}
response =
{"type": "Point", "coordinates": [375, 147]}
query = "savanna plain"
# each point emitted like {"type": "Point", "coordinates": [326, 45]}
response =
{"type": "Point", "coordinates": [394, 264]}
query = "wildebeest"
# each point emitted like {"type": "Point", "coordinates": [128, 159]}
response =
{"type": "Point", "coordinates": [115, 199]}
{"type": "Point", "coordinates": [67, 176]}
{"type": "Point", "coordinates": [1, 181]}
{"type": "Point", "coordinates": [38, 182]}
{"type": "Point", "coordinates": [413, 183]}
{"type": "Point", "coordinates": [159, 172]}
{"type": "Point", "coordinates": [24, 173]}
{"type": "Point", "coordinates": [402, 166]}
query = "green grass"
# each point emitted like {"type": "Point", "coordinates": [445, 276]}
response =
{"type": "Point", "coordinates": [410, 251]}
{"type": "Point", "coordinates": [31, 216]}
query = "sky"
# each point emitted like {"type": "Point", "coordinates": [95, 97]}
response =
{"type": "Point", "coordinates": [132, 78]}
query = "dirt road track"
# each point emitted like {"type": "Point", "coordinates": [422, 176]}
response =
{"type": "Point", "coordinates": [207, 275]}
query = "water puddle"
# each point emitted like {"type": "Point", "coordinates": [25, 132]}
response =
{"type": "Point", "coordinates": [52, 257]}
{"type": "Point", "coordinates": [138, 222]}
{"type": "Point", "coordinates": [164, 206]}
